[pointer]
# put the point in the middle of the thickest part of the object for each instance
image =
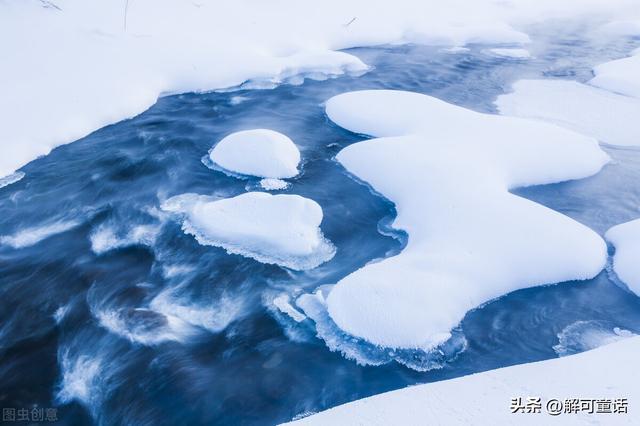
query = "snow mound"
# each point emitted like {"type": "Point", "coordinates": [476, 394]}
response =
{"type": "Point", "coordinates": [607, 116]}
{"type": "Point", "coordinates": [586, 335]}
{"type": "Point", "coordinates": [106, 65]}
{"type": "Point", "coordinates": [449, 171]}
{"type": "Point", "coordinates": [620, 76]}
{"type": "Point", "coordinates": [609, 372]}
{"type": "Point", "coordinates": [626, 240]}
{"type": "Point", "coordinates": [510, 53]}
{"type": "Point", "coordinates": [259, 152]}
{"type": "Point", "coordinates": [279, 229]}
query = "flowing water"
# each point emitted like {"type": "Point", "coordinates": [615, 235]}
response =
{"type": "Point", "coordinates": [112, 314]}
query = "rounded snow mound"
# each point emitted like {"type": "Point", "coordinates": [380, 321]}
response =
{"type": "Point", "coordinates": [258, 152]}
{"type": "Point", "coordinates": [278, 229]}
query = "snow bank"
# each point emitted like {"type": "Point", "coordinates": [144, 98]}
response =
{"type": "Point", "coordinates": [607, 116]}
{"type": "Point", "coordinates": [259, 152]}
{"type": "Point", "coordinates": [280, 229]}
{"type": "Point", "coordinates": [626, 261]}
{"type": "Point", "coordinates": [448, 170]}
{"type": "Point", "coordinates": [620, 76]}
{"type": "Point", "coordinates": [609, 372]}
{"type": "Point", "coordinates": [74, 68]}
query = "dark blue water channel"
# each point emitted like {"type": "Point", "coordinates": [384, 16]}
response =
{"type": "Point", "coordinates": [81, 327]}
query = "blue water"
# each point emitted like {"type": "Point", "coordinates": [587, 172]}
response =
{"type": "Point", "coordinates": [241, 361]}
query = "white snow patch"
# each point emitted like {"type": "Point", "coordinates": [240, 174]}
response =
{"type": "Point", "coordinates": [270, 184]}
{"type": "Point", "coordinates": [28, 237]}
{"type": "Point", "coordinates": [279, 229]}
{"type": "Point", "coordinates": [609, 372]}
{"type": "Point", "coordinates": [607, 116]}
{"type": "Point", "coordinates": [626, 261]}
{"type": "Point", "coordinates": [258, 152]}
{"type": "Point", "coordinates": [105, 65]}
{"type": "Point", "coordinates": [514, 53]}
{"type": "Point", "coordinates": [620, 76]}
{"type": "Point", "coordinates": [449, 171]}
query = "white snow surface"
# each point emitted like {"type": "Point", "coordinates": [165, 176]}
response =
{"type": "Point", "coordinates": [449, 170]}
{"type": "Point", "coordinates": [620, 76]}
{"type": "Point", "coordinates": [281, 229]}
{"type": "Point", "coordinates": [610, 117]}
{"type": "Point", "coordinates": [626, 261]}
{"type": "Point", "coordinates": [609, 372]}
{"type": "Point", "coordinates": [79, 66]}
{"type": "Point", "coordinates": [258, 152]}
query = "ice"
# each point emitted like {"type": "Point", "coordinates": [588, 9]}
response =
{"type": "Point", "coordinates": [449, 171]}
{"type": "Point", "coordinates": [514, 53]}
{"type": "Point", "coordinates": [105, 65]}
{"type": "Point", "coordinates": [282, 302]}
{"type": "Point", "coordinates": [620, 76]}
{"type": "Point", "coordinates": [12, 178]}
{"type": "Point", "coordinates": [586, 335]}
{"type": "Point", "coordinates": [279, 229]}
{"type": "Point", "coordinates": [273, 184]}
{"type": "Point", "coordinates": [626, 261]}
{"type": "Point", "coordinates": [607, 116]}
{"type": "Point", "coordinates": [28, 237]}
{"type": "Point", "coordinates": [608, 372]}
{"type": "Point", "coordinates": [258, 152]}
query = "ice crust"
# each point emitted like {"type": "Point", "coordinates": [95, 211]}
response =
{"type": "Point", "coordinates": [258, 152]}
{"type": "Point", "coordinates": [280, 229]}
{"type": "Point", "coordinates": [626, 261]}
{"type": "Point", "coordinates": [103, 65]}
{"type": "Point", "coordinates": [449, 171]}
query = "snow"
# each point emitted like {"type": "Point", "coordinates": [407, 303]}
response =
{"type": "Point", "coordinates": [258, 152]}
{"type": "Point", "coordinates": [609, 372]}
{"type": "Point", "coordinates": [271, 184]}
{"type": "Point", "coordinates": [83, 65]}
{"type": "Point", "coordinates": [626, 240]}
{"type": "Point", "coordinates": [510, 53]}
{"type": "Point", "coordinates": [620, 76]}
{"type": "Point", "coordinates": [283, 303]}
{"type": "Point", "coordinates": [449, 170]}
{"type": "Point", "coordinates": [279, 229]}
{"type": "Point", "coordinates": [582, 336]}
{"type": "Point", "coordinates": [607, 116]}
{"type": "Point", "coordinates": [106, 238]}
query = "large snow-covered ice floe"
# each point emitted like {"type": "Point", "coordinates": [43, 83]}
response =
{"type": "Point", "coordinates": [610, 117]}
{"type": "Point", "coordinates": [621, 75]}
{"type": "Point", "coordinates": [259, 152]}
{"type": "Point", "coordinates": [609, 372]}
{"type": "Point", "coordinates": [108, 62]}
{"type": "Point", "coordinates": [449, 171]}
{"type": "Point", "coordinates": [280, 229]}
{"type": "Point", "coordinates": [626, 261]}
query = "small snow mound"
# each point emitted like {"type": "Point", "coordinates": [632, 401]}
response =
{"type": "Point", "coordinates": [586, 335]}
{"type": "Point", "coordinates": [259, 152]}
{"type": "Point", "coordinates": [626, 240]}
{"type": "Point", "coordinates": [277, 229]}
{"type": "Point", "coordinates": [270, 184]}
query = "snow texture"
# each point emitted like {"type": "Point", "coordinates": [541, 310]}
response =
{"type": "Point", "coordinates": [620, 76]}
{"type": "Point", "coordinates": [280, 229]}
{"type": "Point", "coordinates": [79, 66]}
{"type": "Point", "coordinates": [608, 372]}
{"type": "Point", "coordinates": [607, 116]}
{"type": "Point", "coordinates": [626, 261]}
{"type": "Point", "coordinates": [258, 152]}
{"type": "Point", "coordinates": [449, 171]}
